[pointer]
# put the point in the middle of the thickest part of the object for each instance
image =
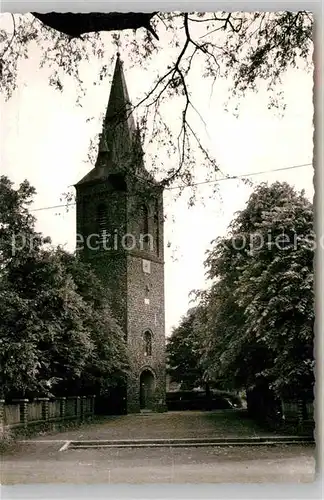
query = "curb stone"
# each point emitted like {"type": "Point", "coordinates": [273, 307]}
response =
{"type": "Point", "coordinates": [190, 442]}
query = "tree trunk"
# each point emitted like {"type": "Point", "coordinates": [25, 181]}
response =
{"type": "Point", "coordinates": [208, 396]}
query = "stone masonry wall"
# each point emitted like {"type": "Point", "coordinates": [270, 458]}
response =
{"type": "Point", "coordinates": [136, 307]}
{"type": "Point", "coordinates": [146, 312]}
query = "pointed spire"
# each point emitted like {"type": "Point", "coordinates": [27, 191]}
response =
{"type": "Point", "coordinates": [119, 126]}
{"type": "Point", "coordinates": [120, 140]}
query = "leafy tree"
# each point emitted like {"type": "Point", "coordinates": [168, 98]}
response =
{"type": "Point", "coordinates": [184, 352]}
{"type": "Point", "coordinates": [108, 365]}
{"type": "Point", "coordinates": [261, 307]}
{"type": "Point", "coordinates": [243, 48]}
{"type": "Point", "coordinates": [18, 238]}
{"type": "Point", "coordinates": [57, 333]}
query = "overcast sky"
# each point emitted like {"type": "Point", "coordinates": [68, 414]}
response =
{"type": "Point", "coordinates": [45, 138]}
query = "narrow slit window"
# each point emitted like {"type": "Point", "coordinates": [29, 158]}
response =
{"type": "Point", "coordinates": [157, 228]}
{"type": "Point", "coordinates": [145, 219]}
{"type": "Point", "coordinates": [148, 343]}
{"type": "Point", "coordinates": [145, 226]}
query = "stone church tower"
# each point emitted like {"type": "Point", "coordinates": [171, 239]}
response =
{"type": "Point", "coordinates": [120, 232]}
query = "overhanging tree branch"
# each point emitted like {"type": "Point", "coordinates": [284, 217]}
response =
{"type": "Point", "coordinates": [77, 24]}
{"type": "Point", "coordinates": [252, 47]}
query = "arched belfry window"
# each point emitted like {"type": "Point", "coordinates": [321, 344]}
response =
{"type": "Point", "coordinates": [117, 182]}
{"type": "Point", "coordinates": [147, 343]}
{"type": "Point", "coordinates": [101, 219]}
{"type": "Point", "coordinates": [145, 216]}
{"type": "Point", "coordinates": [157, 228]}
{"type": "Point", "coordinates": [145, 238]}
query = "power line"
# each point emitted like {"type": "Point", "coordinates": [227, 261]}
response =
{"type": "Point", "coordinates": [232, 177]}
{"type": "Point", "coordinates": [221, 179]}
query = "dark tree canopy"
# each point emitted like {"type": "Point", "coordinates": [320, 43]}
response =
{"type": "Point", "coordinates": [246, 49]}
{"type": "Point", "coordinates": [254, 326]}
{"type": "Point", "coordinates": [184, 349]}
{"type": "Point", "coordinates": [57, 333]}
{"type": "Point", "coordinates": [260, 307]}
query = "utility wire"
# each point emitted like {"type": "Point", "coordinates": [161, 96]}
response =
{"type": "Point", "coordinates": [231, 177]}
{"type": "Point", "coordinates": [221, 179]}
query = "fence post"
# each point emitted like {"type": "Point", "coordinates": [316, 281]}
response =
{"type": "Point", "coordinates": [23, 405]}
{"type": "Point", "coordinates": [2, 423]}
{"type": "Point", "coordinates": [45, 409]}
{"type": "Point", "coordinates": [93, 405]}
{"type": "Point", "coordinates": [71, 402]}
{"type": "Point", "coordinates": [310, 410]}
{"type": "Point", "coordinates": [77, 407]}
{"type": "Point", "coordinates": [300, 410]}
{"type": "Point", "coordinates": [82, 407]}
{"type": "Point", "coordinates": [62, 401]}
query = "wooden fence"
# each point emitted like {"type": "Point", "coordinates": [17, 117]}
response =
{"type": "Point", "coordinates": [291, 414]}
{"type": "Point", "coordinates": [298, 411]}
{"type": "Point", "coordinates": [23, 413]}
{"type": "Point", "coordinates": [11, 415]}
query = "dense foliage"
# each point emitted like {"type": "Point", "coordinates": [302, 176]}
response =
{"type": "Point", "coordinates": [57, 334]}
{"type": "Point", "coordinates": [262, 305]}
{"type": "Point", "coordinates": [258, 321]}
{"type": "Point", "coordinates": [184, 352]}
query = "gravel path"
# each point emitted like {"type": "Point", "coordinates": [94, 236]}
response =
{"type": "Point", "coordinates": [40, 461]}
{"type": "Point", "coordinates": [167, 425]}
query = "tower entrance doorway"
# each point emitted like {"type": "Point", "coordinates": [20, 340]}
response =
{"type": "Point", "coordinates": [146, 389]}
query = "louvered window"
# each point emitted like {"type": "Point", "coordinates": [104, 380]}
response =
{"type": "Point", "coordinates": [102, 221]}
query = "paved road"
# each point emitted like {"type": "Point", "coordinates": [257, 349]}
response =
{"type": "Point", "coordinates": [43, 463]}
